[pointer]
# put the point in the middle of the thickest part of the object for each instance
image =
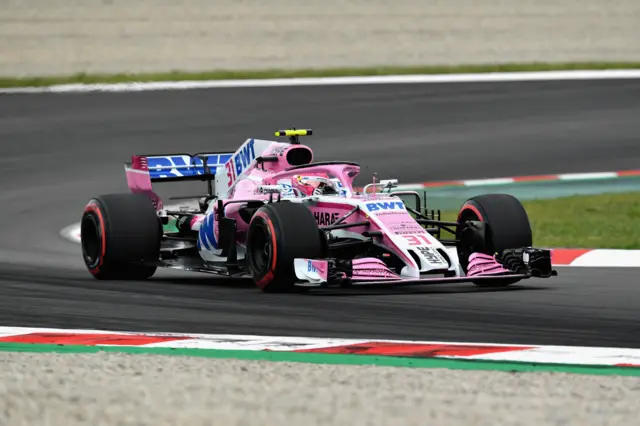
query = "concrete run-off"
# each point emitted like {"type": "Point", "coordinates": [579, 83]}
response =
{"type": "Point", "coordinates": [125, 389]}
{"type": "Point", "coordinates": [57, 37]}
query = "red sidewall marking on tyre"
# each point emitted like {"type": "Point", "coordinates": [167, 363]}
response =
{"type": "Point", "coordinates": [103, 237]}
{"type": "Point", "coordinates": [473, 209]}
{"type": "Point", "coordinates": [271, 273]}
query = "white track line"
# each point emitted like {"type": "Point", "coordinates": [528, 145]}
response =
{"type": "Point", "coordinates": [332, 81]}
{"type": "Point", "coordinates": [588, 176]}
{"type": "Point", "coordinates": [518, 353]}
{"type": "Point", "coordinates": [493, 181]}
{"type": "Point", "coordinates": [610, 258]}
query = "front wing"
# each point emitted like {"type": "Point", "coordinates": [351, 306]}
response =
{"type": "Point", "coordinates": [511, 265]}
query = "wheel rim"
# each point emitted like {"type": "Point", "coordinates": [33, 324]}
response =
{"type": "Point", "coordinates": [260, 250]}
{"type": "Point", "coordinates": [91, 239]}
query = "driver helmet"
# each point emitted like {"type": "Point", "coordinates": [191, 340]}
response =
{"type": "Point", "coordinates": [313, 185]}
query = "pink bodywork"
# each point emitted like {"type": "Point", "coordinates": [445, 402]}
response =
{"type": "Point", "coordinates": [245, 187]}
{"type": "Point", "coordinates": [483, 264]}
{"type": "Point", "coordinates": [139, 181]}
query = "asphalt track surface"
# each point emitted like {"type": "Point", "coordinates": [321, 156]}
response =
{"type": "Point", "coordinates": [58, 150]}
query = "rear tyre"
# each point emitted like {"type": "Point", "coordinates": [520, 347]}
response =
{"type": "Point", "coordinates": [498, 222]}
{"type": "Point", "coordinates": [278, 233]}
{"type": "Point", "coordinates": [118, 231]}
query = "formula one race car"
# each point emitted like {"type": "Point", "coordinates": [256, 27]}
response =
{"type": "Point", "coordinates": [290, 223]}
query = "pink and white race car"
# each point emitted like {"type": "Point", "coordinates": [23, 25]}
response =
{"type": "Point", "coordinates": [291, 224]}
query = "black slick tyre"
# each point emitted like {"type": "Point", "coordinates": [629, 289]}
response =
{"type": "Point", "coordinates": [498, 222]}
{"type": "Point", "coordinates": [278, 233]}
{"type": "Point", "coordinates": [118, 231]}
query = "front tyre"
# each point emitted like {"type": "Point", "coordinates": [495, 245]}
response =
{"type": "Point", "coordinates": [494, 223]}
{"type": "Point", "coordinates": [118, 231]}
{"type": "Point", "coordinates": [279, 233]}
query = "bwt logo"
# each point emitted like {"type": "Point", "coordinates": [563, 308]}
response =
{"type": "Point", "coordinates": [244, 157]}
{"type": "Point", "coordinates": [240, 161]}
{"type": "Point", "coordinates": [389, 205]}
{"type": "Point", "coordinates": [310, 267]}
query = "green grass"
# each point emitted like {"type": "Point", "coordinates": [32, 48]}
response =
{"type": "Point", "coordinates": [590, 221]}
{"type": "Point", "coordinates": [333, 72]}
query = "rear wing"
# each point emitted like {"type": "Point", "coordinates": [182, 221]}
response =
{"type": "Point", "coordinates": [182, 167]}
{"type": "Point", "coordinates": [143, 170]}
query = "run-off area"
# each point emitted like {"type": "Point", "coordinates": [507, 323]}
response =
{"type": "Point", "coordinates": [118, 389]}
